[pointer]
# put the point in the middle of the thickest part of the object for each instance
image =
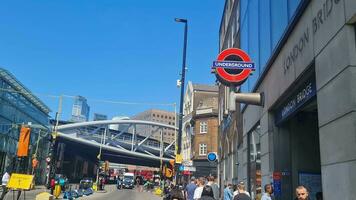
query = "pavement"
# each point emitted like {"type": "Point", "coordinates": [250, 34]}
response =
{"type": "Point", "coordinates": [31, 194]}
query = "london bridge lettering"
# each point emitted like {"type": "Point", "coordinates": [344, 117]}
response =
{"type": "Point", "coordinates": [296, 50]}
{"type": "Point", "coordinates": [299, 99]}
{"type": "Point", "coordinates": [321, 16]}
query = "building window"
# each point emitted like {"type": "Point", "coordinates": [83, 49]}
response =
{"type": "Point", "coordinates": [203, 127]}
{"type": "Point", "coordinates": [202, 149]}
{"type": "Point", "coordinates": [154, 115]}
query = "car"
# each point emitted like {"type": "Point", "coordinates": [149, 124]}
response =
{"type": "Point", "coordinates": [128, 181]}
{"type": "Point", "coordinates": [86, 183]}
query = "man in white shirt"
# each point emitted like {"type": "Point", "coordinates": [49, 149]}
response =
{"type": "Point", "coordinates": [199, 189]}
{"type": "Point", "coordinates": [5, 179]}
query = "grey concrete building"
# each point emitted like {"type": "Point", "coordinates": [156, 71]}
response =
{"type": "Point", "coordinates": [305, 53]}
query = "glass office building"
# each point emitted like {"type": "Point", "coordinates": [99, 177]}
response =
{"type": "Point", "coordinates": [80, 109]}
{"type": "Point", "coordinates": [19, 106]}
{"type": "Point", "coordinates": [305, 56]}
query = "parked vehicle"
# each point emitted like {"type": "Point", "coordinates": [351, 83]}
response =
{"type": "Point", "coordinates": [128, 181]}
{"type": "Point", "coordinates": [86, 183]}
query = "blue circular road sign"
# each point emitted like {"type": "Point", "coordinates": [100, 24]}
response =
{"type": "Point", "coordinates": [212, 157]}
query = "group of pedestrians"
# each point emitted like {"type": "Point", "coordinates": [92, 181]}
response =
{"type": "Point", "coordinates": [203, 188]}
{"type": "Point", "coordinates": [236, 192]}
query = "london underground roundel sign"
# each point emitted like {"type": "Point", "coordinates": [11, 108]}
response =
{"type": "Point", "coordinates": [233, 66]}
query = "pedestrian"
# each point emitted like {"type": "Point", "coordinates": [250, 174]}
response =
{"type": "Point", "coordinates": [176, 194]}
{"type": "Point", "coordinates": [235, 191]}
{"type": "Point", "coordinates": [214, 186]}
{"type": "Point", "coordinates": [268, 192]}
{"type": "Point", "coordinates": [208, 193]}
{"type": "Point", "coordinates": [198, 191]}
{"type": "Point", "coordinates": [242, 185]}
{"type": "Point", "coordinates": [242, 193]}
{"type": "Point", "coordinates": [4, 181]}
{"type": "Point", "coordinates": [302, 193]}
{"type": "Point", "coordinates": [228, 195]}
{"type": "Point", "coordinates": [190, 188]}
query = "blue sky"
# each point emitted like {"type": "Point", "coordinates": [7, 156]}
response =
{"type": "Point", "coordinates": [119, 50]}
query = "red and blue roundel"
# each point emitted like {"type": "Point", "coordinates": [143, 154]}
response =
{"type": "Point", "coordinates": [233, 67]}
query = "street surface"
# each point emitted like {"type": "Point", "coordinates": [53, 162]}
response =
{"type": "Point", "coordinates": [125, 194]}
{"type": "Point", "coordinates": [110, 193]}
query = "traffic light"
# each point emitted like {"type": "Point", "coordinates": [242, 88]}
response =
{"type": "Point", "coordinates": [106, 166]}
{"type": "Point", "coordinates": [169, 170]}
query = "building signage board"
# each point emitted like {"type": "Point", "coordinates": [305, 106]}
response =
{"type": "Point", "coordinates": [20, 181]}
{"type": "Point", "coordinates": [302, 95]}
{"type": "Point", "coordinates": [277, 183]}
{"type": "Point", "coordinates": [187, 163]}
{"type": "Point", "coordinates": [233, 66]}
{"type": "Point", "coordinates": [191, 169]}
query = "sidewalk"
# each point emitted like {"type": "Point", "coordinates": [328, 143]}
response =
{"type": "Point", "coordinates": [31, 194]}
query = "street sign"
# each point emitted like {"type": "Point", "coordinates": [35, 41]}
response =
{"type": "Point", "coordinates": [212, 157]}
{"type": "Point", "coordinates": [187, 163]}
{"type": "Point", "coordinates": [233, 66]}
{"type": "Point", "coordinates": [179, 159]}
{"type": "Point", "coordinates": [191, 169]}
{"type": "Point", "coordinates": [181, 168]}
{"type": "Point", "coordinates": [20, 181]}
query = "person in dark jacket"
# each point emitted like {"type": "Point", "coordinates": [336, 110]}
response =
{"type": "Point", "coordinates": [242, 194]}
{"type": "Point", "coordinates": [207, 193]}
{"type": "Point", "coordinates": [176, 194]}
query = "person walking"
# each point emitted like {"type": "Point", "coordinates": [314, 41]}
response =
{"type": "Point", "coordinates": [208, 193]}
{"type": "Point", "coordinates": [302, 193]}
{"type": "Point", "coordinates": [190, 189]}
{"type": "Point", "coordinates": [228, 195]}
{"type": "Point", "coordinates": [199, 190]}
{"type": "Point", "coordinates": [4, 181]}
{"type": "Point", "coordinates": [214, 186]}
{"type": "Point", "coordinates": [242, 193]}
{"type": "Point", "coordinates": [268, 192]}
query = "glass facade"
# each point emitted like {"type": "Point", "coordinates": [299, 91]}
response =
{"type": "Point", "coordinates": [262, 24]}
{"type": "Point", "coordinates": [254, 164]}
{"type": "Point", "coordinates": [18, 106]}
{"type": "Point", "coordinates": [80, 110]}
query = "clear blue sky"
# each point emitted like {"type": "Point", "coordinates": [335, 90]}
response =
{"type": "Point", "coordinates": [119, 50]}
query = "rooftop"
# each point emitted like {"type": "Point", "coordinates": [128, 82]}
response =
{"type": "Point", "coordinates": [8, 77]}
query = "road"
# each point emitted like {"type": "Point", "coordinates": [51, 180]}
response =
{"type": "Point", "coordinates": [110, 193]}
{"type": "Point", "coordinates": [125, 194]}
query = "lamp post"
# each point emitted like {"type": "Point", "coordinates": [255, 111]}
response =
{"type": "Point", "coordinates": [182, 87]}
{"type": "Point", "coordinates": [182, 84]}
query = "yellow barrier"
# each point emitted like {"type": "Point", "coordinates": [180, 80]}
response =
{"type": "Point", "coordinates": [158, 191]}
{"type": "Point", "coordinates": [57, 191]}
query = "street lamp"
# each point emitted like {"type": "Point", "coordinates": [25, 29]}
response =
{"type": "Point", "coordinates": [182, 84]}
{"type": "Point", "coordinates": [182, 88]}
